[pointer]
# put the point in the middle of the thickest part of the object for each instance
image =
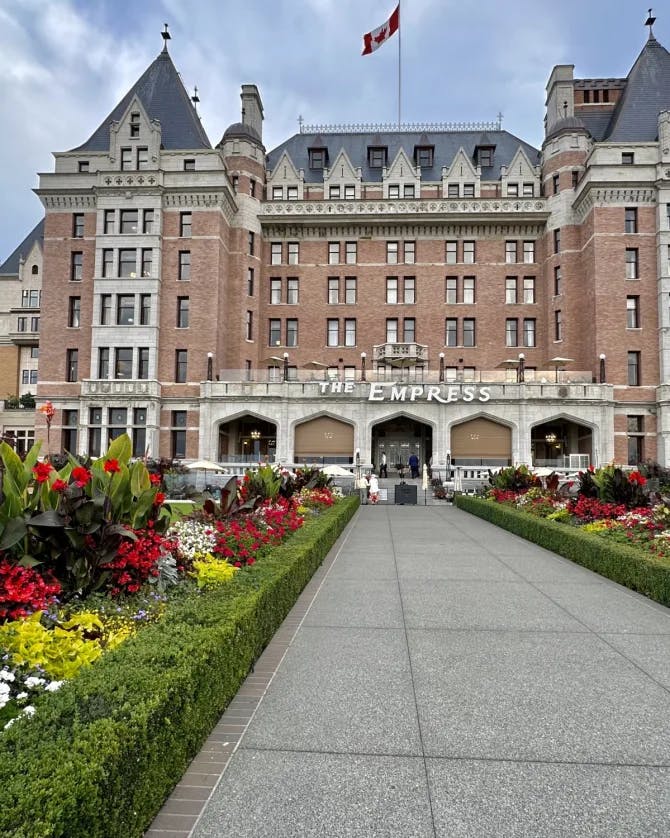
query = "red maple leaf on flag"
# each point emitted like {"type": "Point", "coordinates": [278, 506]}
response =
{"type": "Point", "coordinates": [381, 37]}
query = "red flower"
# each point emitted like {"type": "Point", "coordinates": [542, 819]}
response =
{"type": "Point", "coordinates": [155, 479]}
{"type": "Point", "coordinates": [81, 476]}
{"type": "Point", "coordinates": [58, 486]}
{"type": "Point", "coordinates": [41, 472]}
{"type": "Point", "coordinates": [112, 466]}
{"type": "Point", "coordinates": [159, 499]}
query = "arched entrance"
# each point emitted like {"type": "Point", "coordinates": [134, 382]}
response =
{"type": "Point", "coordinates": [324, 440]}
{"type": "Point", "coordinates": [480, 442]}
{"type": "Point", "coordinates": [247, 439]}
{"type": "Point", "coordinates": [561, 443]}
{"type": "Point", "coordinates": [399, 438]}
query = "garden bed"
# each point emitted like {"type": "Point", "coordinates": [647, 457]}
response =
{"type": "Point", "coordinates": [634, 568]}
{"type": "Point", "coordinates": [101, 755]}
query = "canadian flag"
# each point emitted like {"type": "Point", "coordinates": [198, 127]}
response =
{"type": "Point", "coordinates": [373, 40]}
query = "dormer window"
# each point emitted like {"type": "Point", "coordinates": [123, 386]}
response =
{"type": "Point", "coordinates": [334, 192]}
{"type": "Point", "coordinates": [134, 124]}
{"type": "Point", "coordinates": [377, 157]}
{"type": "Point", "coordinates": [189, 165]}
{"type": "Point", "coordinates": [318, 158]}
{"type": "Point", "coordinates": [485, 156]}
{"type": "Point", "coordinates": [292, 193]}
{"type": "Point", "coordinates": [83, 166]}
{"type": "Point", "coordinates": [277, 193]}
{"type": "Point", "coordinates": [394, 190]}
{"type": "Point", "coordinates": [423, 155]}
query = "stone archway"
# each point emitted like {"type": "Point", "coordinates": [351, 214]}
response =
{"type": "Point", "coordinates": [323, 439]}
{"type": "Point", "coordinates": [246, 438]}
{"type": "Point", "coordinates": [481, 441]}
{"type": "Point", "coordinates": [561, 443]}
{"type": "Point", "coordinates": [399, 437]}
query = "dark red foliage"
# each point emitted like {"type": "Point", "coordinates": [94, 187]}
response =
{"type": "Point", "coordinates": [137, 560]}
{"type": "Point", "coordinates": [24, 590]}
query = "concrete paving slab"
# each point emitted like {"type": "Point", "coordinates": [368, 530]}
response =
{"type": "Point", "coordinates": [440, 603]}
{"type": "Point", "coordinates": [274, 794]}
{"type": "Point", "coordinates": [454, 565]}
{"type": "Point", "coordinates": [343, 690]}
{"type": "Point", "coordinates": [543, 566]}
{"type": "Point", "coordinates": [650, 652]}
{"type": "Point", "coordinates": [357, 603]}
{"type": "Point", "coordinates": [518, 800]}
{"type": "Point", "coordinates": [536, 696]}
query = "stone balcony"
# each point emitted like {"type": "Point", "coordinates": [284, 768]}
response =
{"type": "Point", "coordinates": [400, 354]}
{"type": "Point", "coordinates": [130, 388]}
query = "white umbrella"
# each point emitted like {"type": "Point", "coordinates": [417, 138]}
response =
{"type": "Point", "coordinates": [204, 465]}
{"type": "Point", "coordinates": [424, 481]}
{"type": "Point", "coordinates": [337, 471]}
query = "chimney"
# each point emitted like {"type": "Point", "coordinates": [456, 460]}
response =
{"type": "Point", "coordinates": [252, 108]}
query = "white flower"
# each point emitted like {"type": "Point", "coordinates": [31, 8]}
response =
{"type": "Point", "coordinates": [6, 675]}
{"type": "Point", "coordinates": [29, 710]}
{"type": "Point", "coordinates": [53, 686]}
{"type": "Point", "coordinates": [21, 695]}
{"type": "Point", "coordinates": [31, 682]}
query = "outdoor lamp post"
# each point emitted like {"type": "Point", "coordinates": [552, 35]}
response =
{"type": "Point", "coordinates": [521, 369]}
{"type": "Point", "coordinates": [285, 366]}
{"type": "Point", "coordinates": [603, 377]}
{"type": "Point", "coordinates": [363, 357]}
{"type": "Point", "coordinates": [210, 365]}
{"type": "Point", "coordinates": [441, 378]}
{"type": "Point", "coordinates": [256, 437]}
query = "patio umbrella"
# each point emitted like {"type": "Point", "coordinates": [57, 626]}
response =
{"type": "Point", "coordinates": [559, 363]}
{"type": "Point", "coordinates": [337, 471]}
{"type": "Point", "coordinates": [424, 479]}
{"type": "Point", "coordinates": [204, 465]}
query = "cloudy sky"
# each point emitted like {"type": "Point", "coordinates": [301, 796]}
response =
{"type": "Point", "coordinates": [64, 64]}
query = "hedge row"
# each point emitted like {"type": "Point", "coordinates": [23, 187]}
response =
{"type": "Point", "coordinates": [103, 753]}
{"type": "Point", "coordinates": [626, 565]}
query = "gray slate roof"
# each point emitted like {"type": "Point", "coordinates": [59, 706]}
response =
{"type": "Point", "coordinates": [597, 123]}
{"type": "Point", "coordinates": [647, 92]}
{"type": "Point", "coordinates": [447, 144]}
{"type": "Point", "coordinates": [10, 267]}
{"type": "Point", "coordinates": [164, 97]}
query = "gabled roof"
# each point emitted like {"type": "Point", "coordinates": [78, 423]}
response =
{"type": "Point", "coordinates": [161, 91]}
{"type": "Point", "coordinates": [647, 93]}
{"type": "Point", "coordinates": [10, 267]}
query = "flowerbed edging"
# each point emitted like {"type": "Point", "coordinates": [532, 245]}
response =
{"type": "Point", "coordinates": [626, 565]}
{"type": "Point", "coordinates": [103, 753]}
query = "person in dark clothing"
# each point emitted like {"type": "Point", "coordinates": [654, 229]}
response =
{"type": "Point", "coordinates": [413, 463]}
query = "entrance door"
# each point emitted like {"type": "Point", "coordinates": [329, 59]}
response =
{"type": "Point", "coordinates": [398, 451]}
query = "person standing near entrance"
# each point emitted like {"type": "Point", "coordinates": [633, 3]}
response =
{"type": "Point", "coordinates": [374, 488]}
{"type": "Point", "coordinates": [382, 466]}
{"type": "Point", "coordinates": [413, 463]}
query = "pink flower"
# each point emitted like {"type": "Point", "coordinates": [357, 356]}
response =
{"type": "Point", "coordinates": [58, 486]}
{"type": "Point", "coordinates": [41, 472]}
{"type": "Point", "coordinates": [81, 476]}
{"type": "Point", "coordinates": [112, 466]}
{"type": "Point", "coordinates": [155, 479]}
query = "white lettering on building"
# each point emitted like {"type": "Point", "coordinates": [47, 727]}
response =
{"type": "Point", "coordinates": [400, 393]}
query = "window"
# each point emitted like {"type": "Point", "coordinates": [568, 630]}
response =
{"type": "Point", "coordinates": [108, 221]}
{"type": "Point", "coordinates": [189, 166]}
{"type": "Point", "coordinates": [392, 330]}
{"type": "Point", "coordinates": [293, 253]}
{"type": "Point", "coordinates": [29, 377]}
{"type": "Point", "coordinates": [558, 325]}
{"type": "Point", "coordinates": [511, 331]}
{"type": "Point", "coordinates": [147, 261]}
{"type": "Point", "coordinates": [181, 364]}
{"type": "Point", "coordinates": [105, 309]}
{"type": "Point", "coordinates": [469, 253]}
{"type": "Point", "coordinates": [468, 289]}
{"type": "Point", "coordinates": [249, 325]}
{"type": "Point", "coordinates": [627, 158]}
{"type": "Point", "coordinates": [558, 281]}
{"type": "Point", "coordinates": [21, 324]}
{"type": "Point", "coordinates": [468, 190]}
{"type": "Point", "coordinates": [630, 220]}
{"type": "Point", "coordinates": [350, 284]}
{"type": "Point", "coordinates": [123, 362]}
{"type": "Point", "coordinates": [409, 290]}
{"type": "Point", "coordinates": [528, 252]}
{"type": "Point", "coordinates": [333, 253]}
{"type": "Point", "coordinates": [139, 431]}
{"type": "Point", "coordinates": [83, 166]}
{"type": "Point", "coordinates": [185, 224]}
{"type": "Point", "coordinates": [34, 270]}
{"type": "Point", "coordinates": [317, 158]}
{"type": "Point", "coordinates": [510, 290]}
{"type": "Point", "coordinates": [391, 253]}
{"type": "Point", "coordinates": [274, 338]}
{"type": "Point", "coordinates": [453, 190]}
{"type": "Point", "coordinates": [145, 309]}
{"type": "Point", "coordinates": [30, 299]}
{"type": "Point", "coordinates": [291, 193]}
{"type": "Point", "coordinates": [78, 225]}
{"type": "Point", "coordinates": [126, 159]}
{"type": "Point", "coordinates": [351, 255]}
{"type": "Point", "coordinates": [424, 156]}
{"type": "Point", "coordinates": [251, 243]}
{"type": "Point", "coordinates": [250, 282]}
{"type": "Point", "coordinates": [575, 179]}
{"type": "Point", "coordinates": [134, 124]}
{"type": "Point", "coordinates": [94, 431]}
{"type": "Point", "coordinates": [485, 157]}
{"type": "Point", "coordinates": [275, 253]}
{"type": "Point", "coordinates": [633, 312]}
{"type": "Point", "coordinates": [142, 158]}
{"type": "Point", "coordinates": [635, 430]}
{"type": "Point", "coordinates": [468, 331]}
{"type": "Point", "coordinates": [178, 434]}
{"type": "Point", "coordinates": [392, 289]}
{"type": "Point", "coordinates": [513, 190]}
{"type": "Point", "coordinates": [125, 309]}
{"type": "Point", "coordinates": [376, 157]}
{"type": "Point", "coordinates": [409, 252]}
{"type": "Point", "coordinates": [277, 193]}
{"type": "Point", "coordinates": [333, 290]}
{"type": "Point", "coordinates": [76, 266]}
{"type": "Point", "coordinates": [451, 290]}
{"type": "Point", "coordinates": [409, 330]}
{"type": "Point", "coordinates": [103, 362]}
{"type": "Point", "coordinates": [74, 312]}
{"type": "Point", "coordinates": [451, 336]}
{"type": "Point", "coordinates": [632, 267]}
{"type": "Point", "coordinates": [71, 364]}
{"type": "Point", "coordinates": [350, 192]}
{"type": "Point", "coordinates": [184, 264]}
{"type": "Point", "coordinates": [451, 253]}
{"type": "Point", "coordinates": [350, 332]}
{"type": "Point", "coordinates": [333, 328]}
{"type": "Point", "coordinates": [557, 241]}
{"type": "Point", "coordinates": [275, 291]}
{"type": "Point", "coordinates": [554, 184]}
{"type": "Point", "coordinates": [235, 182]}
{"type": "Point", "coordinates": [34, 324]}
{"type": "Point", "coordinates": [529, 289]}
{"type": "Point", "coordinates": [148, 221]}
{"type": "Point", "coordinates": [183, 305]}
{"type": "Point", "coordinates": [528, 190]}
{"type": "Point", "coordinates": [292, 332]}
{"type": "Point", "coordinates": [334, 192]}
{"type": "Point", "coordinates": [128, 221]}
{"type": "Point", "coordinates": [529, 331]}
{"type": "Point", "coordinates": [408, 190]}
{"type": "Point", "coordinates": [292, 288]}
{"type": "Point", "coordinates": [394, 190]}
{"type": "Point", "coordinates": [70, 426]}
{"type": "Point", "coordinates": [34, 352]}
{"type": "Point", "coordinates": [634, 369]}
{"type": "Point", "coordinates": [510, 252]}
{"type": "Point", "coordinates": [128, 263]}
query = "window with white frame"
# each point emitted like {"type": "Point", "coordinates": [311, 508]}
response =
{"type": "Point", "coordinates": [392, 289]}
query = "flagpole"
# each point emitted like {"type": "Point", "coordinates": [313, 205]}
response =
{"type": "Point", "coordinates": [399, 67]}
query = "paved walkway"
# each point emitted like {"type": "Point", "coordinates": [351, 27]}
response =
{"type": "Point", "coordinates": [441, 677]}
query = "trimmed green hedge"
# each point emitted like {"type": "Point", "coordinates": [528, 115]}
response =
{"type": "Point", "coordinates": [103, 753]}
{"type": "Point", "coordinates": [626, 565]}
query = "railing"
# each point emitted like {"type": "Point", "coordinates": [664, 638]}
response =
{"type": "Point", "coordinates": [400, 352]}
{"type": "Point", "coordinates": [403, 127]}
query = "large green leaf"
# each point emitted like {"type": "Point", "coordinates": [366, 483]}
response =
{"type": "Point", "coordinates": [120, 449]}
{"type": "Point", "coordinates": [50, 518]}
{"type": "Point", "coordinates": [31, 458]}
{"type": "Point", "coordinates": [13, 465]}
{"type": "Point", "coordinates": [139, 479]}
{"type": "Point", "coordinates": [13, 533]}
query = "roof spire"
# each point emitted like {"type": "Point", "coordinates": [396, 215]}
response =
{"type": "Point", "coordinates": [165, 35]}
{"type": "Point", "coordinates": [650, 21]}
{"type": "Point", "coordinates": [195, 98]}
